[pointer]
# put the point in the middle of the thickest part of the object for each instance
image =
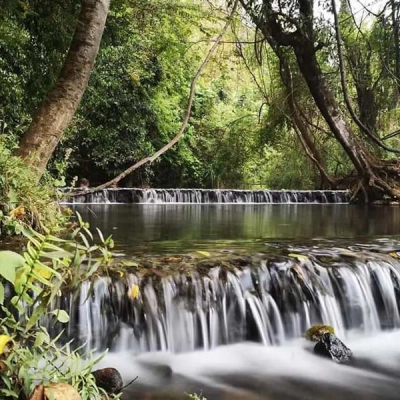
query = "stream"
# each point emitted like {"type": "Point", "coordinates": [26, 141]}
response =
{"type": "Point", "coordinates": [233, 327]}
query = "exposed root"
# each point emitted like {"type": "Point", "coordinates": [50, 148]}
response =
{"type": "Point", "coordinates": [381, 181]}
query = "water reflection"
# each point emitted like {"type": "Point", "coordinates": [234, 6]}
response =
{"type": "Point", "coordinates": [134, 225]}
{"type": "Point", "coordinates": [179, 227]}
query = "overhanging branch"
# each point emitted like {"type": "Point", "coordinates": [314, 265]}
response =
{"type": "Point", "coordinates": [185, 121]}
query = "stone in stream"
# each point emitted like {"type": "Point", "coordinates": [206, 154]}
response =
{"type": "Point", "coordinates": [109, 379]}
{"type": "Point", "coordinates": [331, 346]}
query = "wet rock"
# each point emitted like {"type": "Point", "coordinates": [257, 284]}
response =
{"type": "Point", "coordinates": [109, 379]}
{"type": "Point", "coordinates": [331, 346]}
{"type": "Point", "coordinates": [316, 332]}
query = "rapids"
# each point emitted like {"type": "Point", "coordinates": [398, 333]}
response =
{"type": "Point", "coordinates": [231, 324]}
{"type": "Point", "coordinates": [209, 196]}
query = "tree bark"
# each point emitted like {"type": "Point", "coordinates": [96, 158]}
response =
{"type": "Point", "coordinates": [55, 113]}
{"type": "Point", "coordinates": [396, 39]}
{"type": "Point", "coordinates": [375, 177]}
{"type": "Point", "coordinates": [299, 126]}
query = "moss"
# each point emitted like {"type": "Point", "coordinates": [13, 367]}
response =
{"type": "Point", "coordinates": [315, 332]}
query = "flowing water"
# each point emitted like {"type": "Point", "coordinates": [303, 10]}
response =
{"type": "Point", "coordinates": [211, 196]}
{"type": "Point", "coordinates": [230, 324]}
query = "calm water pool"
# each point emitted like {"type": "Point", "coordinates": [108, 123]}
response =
{"type": "Point", "coordinates": [162, 228]}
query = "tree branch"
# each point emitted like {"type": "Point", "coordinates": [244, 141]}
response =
{"type": "Point", "coordinates": [185, 121]}
{"type": "Point", "coordinates": [342, 70]}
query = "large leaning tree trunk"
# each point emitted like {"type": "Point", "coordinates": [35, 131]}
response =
{"type": "Point", "coordinates": [301, 128]}
{"type": "Point", "coordinates": [293, 27]}
{"type": "Point", "coordinates": [55, 113]}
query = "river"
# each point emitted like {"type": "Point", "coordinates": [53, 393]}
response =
{"type": "Point", "coordinates": [239, 337]}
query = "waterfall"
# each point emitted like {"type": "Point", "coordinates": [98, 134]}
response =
{"type": "Point", "coordinates": [206, 196]}
{"type": "Point", "coordinates": [266, 299]}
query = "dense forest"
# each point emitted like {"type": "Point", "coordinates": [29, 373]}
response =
{"type": "Point", "coordinates": [295, 95]}
{"type": "Point", "coordinates": [227, 94]}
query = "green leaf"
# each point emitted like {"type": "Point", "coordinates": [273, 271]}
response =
{"type": "Point", "coordinates": [37, 313]}
{"type": "Point", "coordinates": [203, 253]}
{"type": "Point", "coordinates": [85, 241]}
{"type": "Point", "coordinates": [61, 315]}
{"type": "Point", "coordinates": [9, 263]}
{"type": "Point", "coordinates": [93, 268]}
{"type": "Point", "coordinates": [1, 293]}
{"type": "Point", "coordinates": [100, 235]}
{"type": "Point", "coordinates": [41, 337]}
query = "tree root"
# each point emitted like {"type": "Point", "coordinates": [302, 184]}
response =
{"type": "Point", "coordinates": [380, 182]}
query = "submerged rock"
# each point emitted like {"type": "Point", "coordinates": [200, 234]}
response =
{"type": "Point", "coordinates": [331, 346]}
{"type": "Point", "coordinates": [109, 379]}
{"type": "Point", "coordinates": [316, 332]}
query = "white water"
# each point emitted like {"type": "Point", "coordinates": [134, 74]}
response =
{"type": "Point", "coordinates": [191, 332]}
{"type": "Point", "coordinates": [252, 371]}
{"type": "Point", "coordinates": [265, 301]}
{"type": "Point", "coordinates": [211, 196]}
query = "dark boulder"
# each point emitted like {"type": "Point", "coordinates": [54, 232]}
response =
{"type": "Point", "coordinates": [331, 346]}
{"type": "Point", "coordinates": [109, 379]}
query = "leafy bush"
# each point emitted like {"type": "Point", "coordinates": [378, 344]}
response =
{"type": "Point", "coordinates": [23, 202]}
{"type": "Point", "coordinates": [36, 280]}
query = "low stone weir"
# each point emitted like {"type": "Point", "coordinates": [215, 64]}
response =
{"type": "Point", "coordinates": [207, 196]}
{"type": "Point", "coordinates": [219, 301]}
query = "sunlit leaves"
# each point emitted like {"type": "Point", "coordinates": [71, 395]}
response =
{"type": "Point", "coordinates": [9, 263]}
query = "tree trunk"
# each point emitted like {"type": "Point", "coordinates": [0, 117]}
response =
{"type": "Point", "coordinates": [396, 32]}
{"type": "Point", "coordinates": [328, 106]}
{"type": "Point", "coordinates": [373, 174]}
{"type": "Point", "coordinates": [367, 106]}
{"type": "Point", "coordinates": [299, 126]}
{"type": "Point", "coordinates": [311, 150]}
{"type": "Point", "coordinates": [55, 113]}
{"type": "Point", "coordinates": [376, 178]}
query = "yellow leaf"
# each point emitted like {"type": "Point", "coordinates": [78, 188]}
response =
{"type": "Point", "coordinates": [204, 253]}
{"type": "Point", "coordinates": [298, 256]}
{"type": "Point", "coordinates": [18, 212]}
{"type": "Point", "coordinates": [394, 255]}
{"type": "Point", "coordinates": [42, 272]}
{"type": "Point", "coordinates": [4, 340]}
{"type": "Point", "coordinates": [134, 292]}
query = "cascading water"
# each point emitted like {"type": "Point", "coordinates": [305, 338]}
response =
{"type": "Point", "coordinates": [262, 299]}
{"type": "Point", "coordinates": [207, 196]}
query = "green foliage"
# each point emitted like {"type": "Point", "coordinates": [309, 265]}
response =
{"type": "Point", "coordinates": [241, 130]}
{"type": "Point", "coordinates": [23, 203]}
{"type": "Point", "coordinates": [48, 266]}
{"type": "Point", "coordinates": [31, 54]}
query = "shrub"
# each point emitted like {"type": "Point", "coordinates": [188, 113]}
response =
{"type": "Point", "coordinates": [24, 202]}
{"type": "Point", "coordinates": [28, 356]}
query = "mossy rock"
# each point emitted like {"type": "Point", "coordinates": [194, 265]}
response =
{"type": "Point", "coordinates": [316, 332]}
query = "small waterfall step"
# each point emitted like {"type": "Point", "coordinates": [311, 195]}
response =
{"type": "Point", "coordinates": [262, 298]}
{"type": "Point", "coordinates": [210, 196]}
